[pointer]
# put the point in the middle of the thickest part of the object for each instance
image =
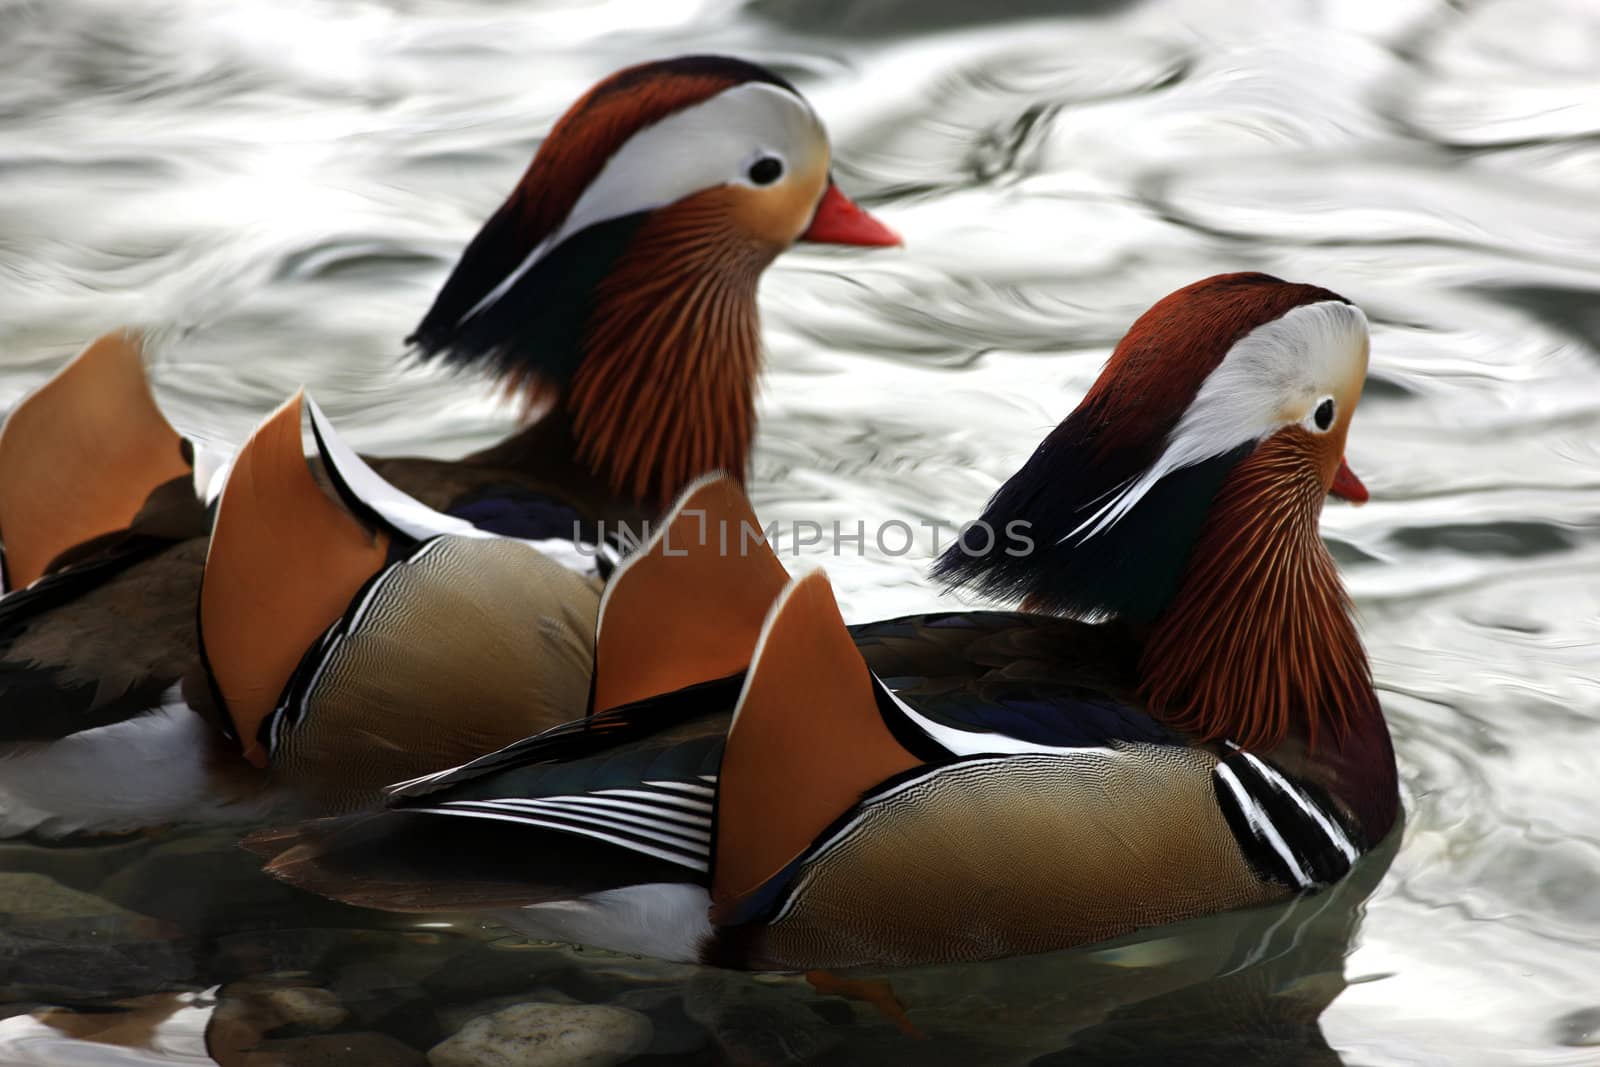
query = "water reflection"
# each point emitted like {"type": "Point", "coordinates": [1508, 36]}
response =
{"type": "Point", "coordinates": [293, 985]}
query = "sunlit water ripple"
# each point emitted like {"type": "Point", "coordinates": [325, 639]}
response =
{"type": "Point", "coordinates": [275, 189]}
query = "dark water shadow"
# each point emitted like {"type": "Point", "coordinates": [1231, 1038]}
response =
{"type": "Point", "coordinates": [179, 915]}
{"type": "Point", "coordinates": [896, 18]}
{"type": "Point", "coordinates": [1573, 311]}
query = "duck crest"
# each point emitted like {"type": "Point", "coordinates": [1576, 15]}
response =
{"type": "Point", "coordinates": [621, 315]}
{"type": "Point", "coordinates": [1258, 640]}
{"type": "Point", "coordinates": [569, 159]}
{"type": "Point", "coordinates": [1131, 569]}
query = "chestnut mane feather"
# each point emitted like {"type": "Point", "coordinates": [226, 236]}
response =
{"type": "Point", "coordinates": [666, 389]}
{"type": "Point", "coordinates": [1259, 638]}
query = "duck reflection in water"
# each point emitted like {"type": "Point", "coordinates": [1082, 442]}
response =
{"type": "Point", "coordinates": [1244, 987]}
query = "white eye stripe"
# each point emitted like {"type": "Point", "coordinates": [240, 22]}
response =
{"type": "Point", "coordinates": [1293, 358]}
{"type": "Point", "coordinates": [700, 147]}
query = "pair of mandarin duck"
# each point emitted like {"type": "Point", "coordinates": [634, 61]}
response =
{"type": "Point", "coordinates": [686, 753]}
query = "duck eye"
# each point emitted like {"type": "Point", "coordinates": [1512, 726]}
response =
{"type": "Point", "coordinates": [1323, 416]}
{"type": "Point", "coordinates": [766, 170]}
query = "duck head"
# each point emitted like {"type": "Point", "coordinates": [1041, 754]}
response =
{"type": "Point", "coordinates": [1182, 496]}
{"type": "Point", "coordinates": [618, 281]}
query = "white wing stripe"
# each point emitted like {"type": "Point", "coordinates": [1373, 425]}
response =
{"type": "Point", "coordinates": [685, 787]}
{"type": "Point", "coordinates": [681, 859]}
{"type": "Point", "coordinates": [662, 836]}
{"type": "Point", "coordinates": [410, 515]}
{"type": "Point", "coordinates": [979, 743]}
{"type": "Point", "coordinates": [659, 798]}
{"type": "Point", "coordinates": [570, 807]}
{"type": "Point", "coordinates": [687, 820]}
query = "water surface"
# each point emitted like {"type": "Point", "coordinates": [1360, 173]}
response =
{"type": "Point", "coordinates": [274, 188]}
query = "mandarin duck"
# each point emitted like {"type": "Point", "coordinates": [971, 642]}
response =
{"type": "Point", "coordinates": [614, 291]}
{"type": "Point", "coordinates": [1182, 723]}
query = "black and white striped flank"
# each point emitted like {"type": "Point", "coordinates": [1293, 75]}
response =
{"type": "Point", "coordinates": [1290, 833]}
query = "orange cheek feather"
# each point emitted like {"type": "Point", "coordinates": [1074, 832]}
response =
{"type": "Point", "coordinates": [775, 215]}
{"type": "Point", "coordinates": [1337, 475]}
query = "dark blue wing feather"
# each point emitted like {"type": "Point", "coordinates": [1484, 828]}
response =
{"type": "Point", "coordinates": [515, 511]}
{"type": "Point", "coordinates": [1049, 718]}
{"type": "Point", "coordinates": [1035, 678]}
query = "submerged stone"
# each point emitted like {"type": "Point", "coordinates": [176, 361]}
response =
{"type": "Point", "coordinates": [546, 1035]}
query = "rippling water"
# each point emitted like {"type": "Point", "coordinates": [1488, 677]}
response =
{"type": "Point", "coordinates": [275, 187]}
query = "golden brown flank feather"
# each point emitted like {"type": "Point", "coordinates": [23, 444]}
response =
{"type": "Point", "coordinates": [80, 456]}
{"type": "Point", "coordinates": [1052, 851]}
{"type": "Point", "coordinates": [690, 608]}
{"type": "Point", "coordinates": [806, 742]}
{"type": "Point", "coordinates": [1258, 639]}
{"type": "Point", "coordinates": [283, 564]}
{"type": "Point", "coordinates": [666, 389]}
{"type": "Point", "coordinates": [474, 644]}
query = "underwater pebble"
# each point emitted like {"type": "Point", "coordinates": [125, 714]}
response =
{"type": "Point", "coordinates": [546, 1035]}
{"type": "Point", "coordinates": [454, 1016]}
{"type": "Point", "coordinates": [37, 904]}
{"type": "Point", "coordinates": [247, 1011]}
{"type": "Point", "coordinates": [41, 969]}
{"type": "Point", "coordinates": [315, 1009]}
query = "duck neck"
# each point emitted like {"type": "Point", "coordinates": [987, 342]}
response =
{"type": "Point", "coordinates": [1258, 645]}
{"type": "Point", "coordinates": [664, 390]}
